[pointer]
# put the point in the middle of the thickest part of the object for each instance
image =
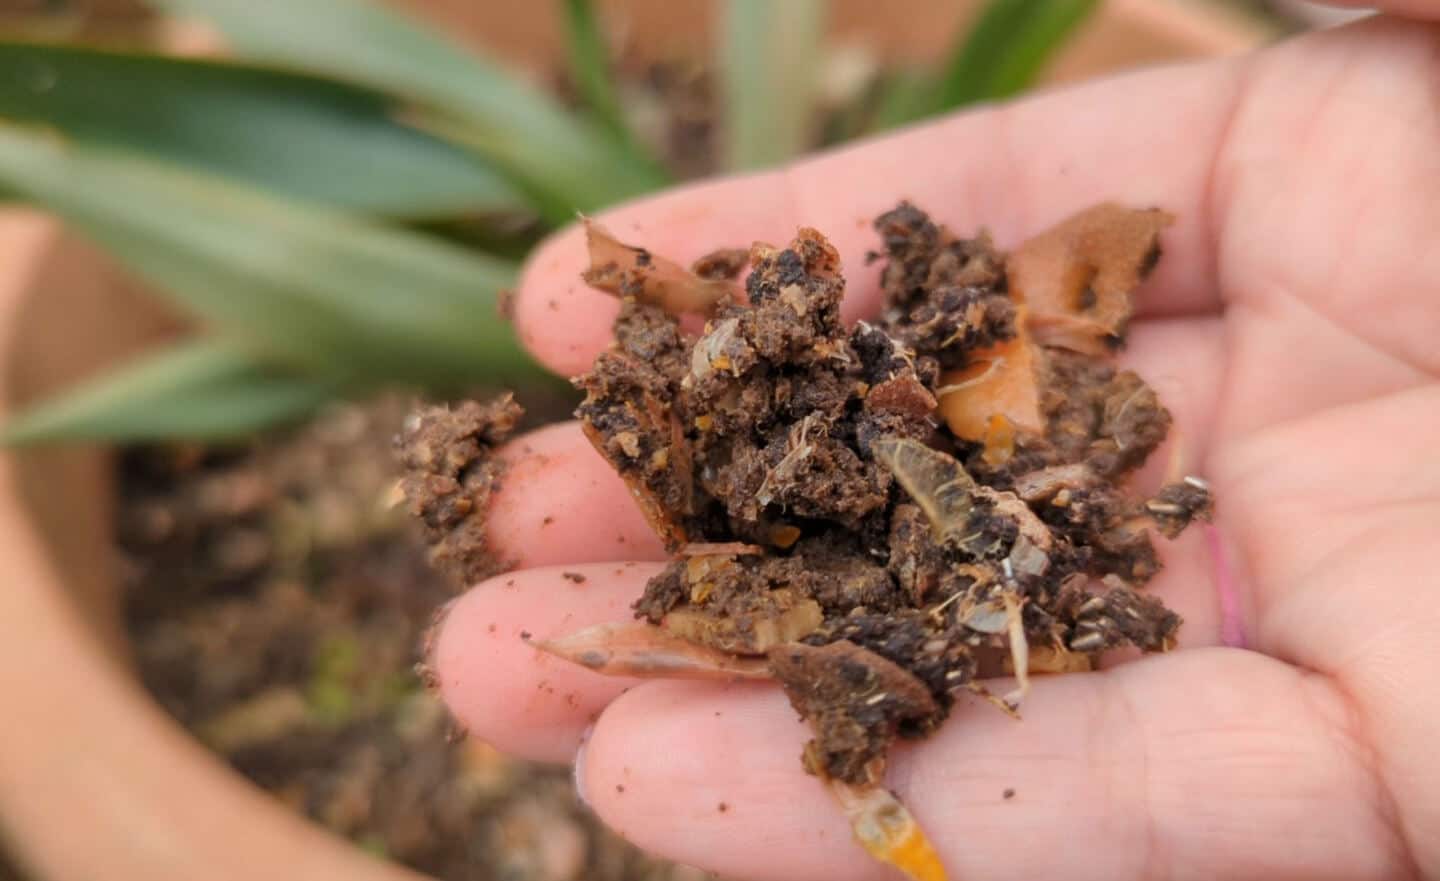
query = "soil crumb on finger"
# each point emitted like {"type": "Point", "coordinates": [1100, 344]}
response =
{"type": "Point", "coordinates": [450, 474]}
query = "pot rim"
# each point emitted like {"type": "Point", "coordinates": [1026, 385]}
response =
{"type": "Point", "coordinates": [96, 780]}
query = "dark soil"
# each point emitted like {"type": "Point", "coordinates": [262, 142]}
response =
{"type": "Point", "coordinates": [277, 597]}
{"type": "Point", "coordinates": [886, 513]}
{"type": "Point", "coordinates": [450, 472]}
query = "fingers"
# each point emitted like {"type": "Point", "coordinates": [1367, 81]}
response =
{"type": "Point", "coordinates": [1338, 516]}
{"type": "Point", "coordinates": [560, 502]}
{"type": "Point", "coordinates": [1316, 327]}
{"type": "Point", "coordinates": [1210, 764]}
{"type": "Point", "coordinates": [1147, 138]}
{"type": "Point", "coordinates": [525, 701]}
{"type": "Point", "coordinates": [512, 695]}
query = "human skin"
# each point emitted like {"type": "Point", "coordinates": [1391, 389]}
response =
{"type": "Point", "coordinates": [1292, 327]}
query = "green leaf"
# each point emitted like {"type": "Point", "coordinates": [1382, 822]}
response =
{"type": "Point", "coordinates": [303, 284]}
{"type": "Point", "coordinates": [905, 96]}
{"type": "Point", "coordinates": [769, 57]}
{"type": "Point", "coordinates": [203, 390]}
{"type": "Point", "coordinates": [298, 135]}
{"type": "Point", "coordinates": [1007, 48]}
{"type": "Point", "coordinates": [566, 163]}
{"type": "Point", "coordinates": [1046, 32]}
{"type": "Point", "coordinates": [590, 66]}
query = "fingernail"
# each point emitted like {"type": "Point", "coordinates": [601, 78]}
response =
{"type": "Point", "coordinates": [578, 768]}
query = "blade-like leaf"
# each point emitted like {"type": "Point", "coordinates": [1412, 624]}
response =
{"type": "Point", "coordinates": [769, 56]}
{"type": "Point", "coordinates": [203, 389]}
{"type": "Point", "coordinates": [1049, 26]}
{"type": "Point", "coordinates": [904, 97]}
{"type": "Point", "coordinates": [977, 52]}
{"type": "Point", "coordinates": [590, 67]}
{"type": "Point", "coordinates": [299, 135]}
{"type": "Point", "coordinates": [568, 164]}
{"type": "Point", "coordinates": [1006, 49]}
{"type": "Point", "coordinates": [304, 284]}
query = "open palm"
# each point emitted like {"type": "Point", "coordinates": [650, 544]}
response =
{"type": "Point", "coordinates": [1293, 327]}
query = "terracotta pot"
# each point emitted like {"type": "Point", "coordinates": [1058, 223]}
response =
{"type": "Point", "coordinates": [96, 781]}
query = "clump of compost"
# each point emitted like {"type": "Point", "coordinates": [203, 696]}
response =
{"type": "Point", "coordinates": [880, 516]}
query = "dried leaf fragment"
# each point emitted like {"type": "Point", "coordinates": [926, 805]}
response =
{"type": "Point", "coordinates": [1032, 529]}
{"type": "Point", "coordinates": [630, 271]}
{"type": "Point", "coordinates": [638, 649]}
{"type": "Point", "coordinates": [1019, 648]}
{"type": "Point", "coordinates": [722, 263]}
{"type": "Point", "coordinates": [1044, 484]}
{"type": "Point", "coordinates": [788, 619]}
{"type": "Point", "coordinates": [985, 616]}
{"type": "Point", "coordinates": [937, 483]}
{"type": "Point", "coordinates": [1050, 659]}
{"type": "Point", "coordinates": [888, 831]}
{"type": "Point", "coordinates": [1077, 277]}
{"type": "Point", "coordinates": [946, 493]}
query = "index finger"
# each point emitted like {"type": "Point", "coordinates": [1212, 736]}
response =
{"type": "Point", "coordinates": [1148, 138]}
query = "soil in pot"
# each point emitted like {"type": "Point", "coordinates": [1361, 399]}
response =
{"type": "Point", "coordinates": [277, 597]}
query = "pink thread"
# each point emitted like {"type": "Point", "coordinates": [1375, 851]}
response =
{"type": "Point", "coordinates": [1232, 622]}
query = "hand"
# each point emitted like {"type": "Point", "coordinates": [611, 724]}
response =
{"type": "Point", "coordinates": [1293, 328]}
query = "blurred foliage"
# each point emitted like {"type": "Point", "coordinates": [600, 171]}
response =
{"type": "Point", "coordinates": [292, 134]}
{"type": "Point", "coordinates": [340, 203]}
{"type": "Point", "coordinates": [767, 59]}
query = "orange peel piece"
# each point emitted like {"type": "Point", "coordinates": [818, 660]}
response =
{"type": "Point", "coordinates": [1002, 380]}
{"type": "Point", "coordinates": [999, 440]}
{"type": "Point", "coordinates": [888, 831]}
{"type": "Point", "coordinates": [1078, 277]}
